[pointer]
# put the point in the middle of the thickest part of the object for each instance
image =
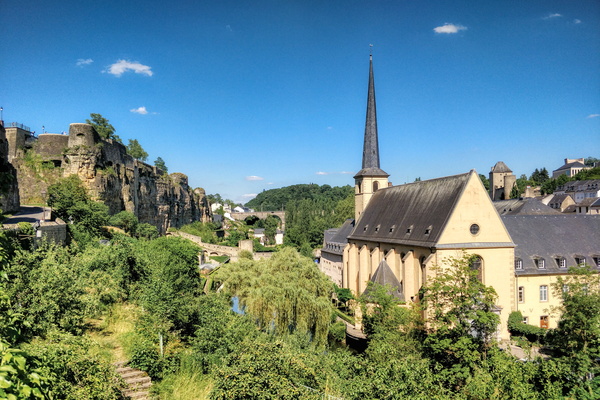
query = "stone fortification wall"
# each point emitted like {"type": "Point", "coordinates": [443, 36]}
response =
{"type": "Point", "coordinates": [51, 146]}
{"type": "Point", "coordinates": [9, 190]}
{"type": "Point", "coordinates": [113, 177]}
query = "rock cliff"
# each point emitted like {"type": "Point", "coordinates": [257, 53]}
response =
{"type": "Point", "coordinates": [111, 176]}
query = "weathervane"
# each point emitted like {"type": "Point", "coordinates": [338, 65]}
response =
{"type": "Point", "coordinates": [370, 49]}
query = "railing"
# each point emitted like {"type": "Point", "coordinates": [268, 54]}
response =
{"type": "Point", "coordinates": [17, 125]}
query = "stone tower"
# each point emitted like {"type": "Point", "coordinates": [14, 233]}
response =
{"type": "Point", "coordinates": [370, 178]}
{"type": "Point", "coordinates": [502, 181]}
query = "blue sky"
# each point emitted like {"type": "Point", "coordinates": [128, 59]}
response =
{"type": "Point", "coordinates": [244, 96]}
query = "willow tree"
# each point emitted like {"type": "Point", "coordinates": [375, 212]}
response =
{"type": "Point", "coordinates": [286, 293]}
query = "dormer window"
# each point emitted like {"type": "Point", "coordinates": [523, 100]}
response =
{"type": "Point", "coordinates": [409, 229]}
{"type": "Point", "coordinates": [518, 263]}
{"type": "Point", "coordinates": [377, 228]}
{"type": "Point", "coordinates": [540, 263]}
{"type": "Point", "coordinates": [580, 261]}
{"type": "Point", "coordinates": [392, 228]}
{"type": "Point", "coordinates": [561, 262]}
{"type": "Point", "coordinates": [365, 228]}
{"type": "Point", "coordinates": [428, 230]}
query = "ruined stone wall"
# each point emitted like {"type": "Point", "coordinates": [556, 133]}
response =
{"type": "Point", "coordinates": [117, 179]}
{"type": "Point", "coordinates": [9, 190]}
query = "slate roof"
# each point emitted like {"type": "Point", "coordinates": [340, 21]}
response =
{"type": "Point", "coordinates": [413, 214]}
{"type": "Point", "coordinates": [575, 164]}
{"type": "Point", "coordinates": [336, 239]}
{"type": "Point", "coordinates": [500, 167]}
{"type": "Point", "coordinates": [553, 236]}
{"type": "Point", "coordinates": [385, 277]}
{"type": "Point", "coordinates": [523, 207]}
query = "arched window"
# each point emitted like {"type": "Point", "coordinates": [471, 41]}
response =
{"type": "Point", "coordinates": [375, 186]}
{"type": "Point", "coordinates": [476, 264]}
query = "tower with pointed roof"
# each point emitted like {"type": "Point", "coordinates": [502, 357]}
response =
{"type": "Point", "coordinates": [502, 181]}
{"type": "Point", "coordinates": [371, 177]}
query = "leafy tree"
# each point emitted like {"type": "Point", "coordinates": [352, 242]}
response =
{"type": "Point", "coordinates": [267, 371]}
{"type": "Point", "coordinates": [278, 199]}
{"type": "Point", "coordinates": [485, 181]}
{"type": "Point", "coordinates": [146, 231]}
{"type": "Point", "coordinates": [460, 318]}
{"type": "Point", "coordinates": [63, 195]}
{"type": "Point", "coordinates": [104, 129]}
{"type": "Point", "coordinates": [539, 176]}
{"type": "Point", "coordinates": [285, 294]}
{"type": "Point", "coordinates": [135, 150]}
{"type": "Point", "coordinates": [592, 161]}
{"type": "Point", "coordinates": [160, 163]}
{"type": "Point", "coordinates": [125, 220]}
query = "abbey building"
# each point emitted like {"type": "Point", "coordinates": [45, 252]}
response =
{"type": "Point", "coordinates": [401, 232]}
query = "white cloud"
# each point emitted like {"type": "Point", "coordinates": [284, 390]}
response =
{"type": "Point", "coordinates": [83, 61]}
{"type": "Point", "coordinates": [576, 21]}
{"type": "Point", "coordinates": [551, 16]}
{"type": "Point", "coordinates": [270, 183]}
{"type": "Point", "coordinates": [449, 28]}
{"type": "Point", "coordinates": [322, 173]}
{"type": "Point", "coordinates": [254, 178]}
{"type": "Point", "coordinates": [139, 110]}
{"type": "Point", "coordinates": [122, 66]}
{"type": "Point", "coordinates": [249, 195]}
{"type": "Point", "coordinates": [228, 27]}
{"type": "Point", "coordinates": [593, 116]}
{"type": "Point", "coordinates": [346, 172]}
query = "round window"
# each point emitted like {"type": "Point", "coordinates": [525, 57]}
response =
{"type": "Point", "coordinates": [474, 229]}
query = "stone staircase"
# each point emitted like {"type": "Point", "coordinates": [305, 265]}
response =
{"type": "Point", "coordinates": [138, 382]}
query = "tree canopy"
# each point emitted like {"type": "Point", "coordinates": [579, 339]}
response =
{"type": "Point", "coordinates": [135, 150]}
{"type": "Point", "coordinates": [104, 129]}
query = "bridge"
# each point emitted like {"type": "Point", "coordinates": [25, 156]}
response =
{"type": "Point", "coordinates": [212, 250]}
{"type": "Point", "coordinates": [261, 215]}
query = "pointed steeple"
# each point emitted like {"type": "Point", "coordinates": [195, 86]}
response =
{"type": "Point", "coordinates": [370, 178]}
{"type": "Point", "coordinates": [370, 160]}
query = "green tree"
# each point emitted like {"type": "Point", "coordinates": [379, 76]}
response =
{"type": "Point", "coordinates": [125, 220]}
{"type": "Point", "coordinates": [135, 150]}
{"type": "Point", "coordinates": [160, 163]}
{"type": "Point", "coordinates": [539, 176]}
{"type": "Point", "coordinates": [592, 161]}
{"type": "Point", "coordinates": [64, 194]}
{"type": "Point", "coordinates": [485, 181]}
{"type": "Point", "coordinates": [285, 294]}
{"type": "Point", "coordinates": [460, 318]}
{"type": "Point", "coordinates": [104, 129]}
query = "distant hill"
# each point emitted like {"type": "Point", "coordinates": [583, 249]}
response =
{"type": "Point", "coordinates": [276, 199]}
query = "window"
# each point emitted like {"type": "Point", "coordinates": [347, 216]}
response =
{"type": "Point", "coordinates": [561, 262]}
{"type": "Point", "coordinates": [580, 261]}
{"type": "Point", "coordinates": [596, 261]}
{"type": "Point", "coordinates": [409, 229]}
{"type": "Point", "coordinates": [375, 186]}
{"type": "Point", "coordinates": [521, 294]}
{"type": "Point", "coordinates": [476, 263]}
{"type": "Point", "coordinates": [518, 263]}
{"type": "Point", "coordinates": [525, 320]}
{"type": "Point", "coordinates": [474, 229]}
{"type": "Point", "coordinates": [540, 263]}
{"type": "Point", "coordinates": [544, 293]}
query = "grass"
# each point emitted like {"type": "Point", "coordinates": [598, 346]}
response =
{"type": "Point", "coordinates": [184, 385]}
{"type": "Point", "coordinates": [110, 330]}
{"type": "Point", "coordinates": [220, 259]}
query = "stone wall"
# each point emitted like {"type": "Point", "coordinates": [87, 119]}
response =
{"type": "Point", "coordinates": [9, 190]}
{"type": "Point", "coordinates": [111, 176]}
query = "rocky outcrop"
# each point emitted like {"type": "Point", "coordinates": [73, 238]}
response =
{"type": "Point", "coordinates": [9, 191]}
{"type": "Point", "coordinates": [111, 176]}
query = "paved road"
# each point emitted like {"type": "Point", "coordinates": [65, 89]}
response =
{"type": "Point", "coordinates": [26, 214]}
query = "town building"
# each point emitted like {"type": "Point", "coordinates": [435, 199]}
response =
{"type": "Point", "coordinates": [400, 234]}
{"type": "Point", "coordinates": [570, 168]}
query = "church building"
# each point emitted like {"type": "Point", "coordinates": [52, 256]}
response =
{"type": "Point", "coordinates": [402, 232]}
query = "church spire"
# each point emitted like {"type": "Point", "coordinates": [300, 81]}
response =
{"type": "Point", "coordinates": [371, 146]}
{"type": "Point", "coordinates": [371, 177]}
{"type": "Point", "coordinates": [370, 160]}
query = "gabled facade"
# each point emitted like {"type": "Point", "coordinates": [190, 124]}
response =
{"type": "Point", "coordinates": [571, 167]}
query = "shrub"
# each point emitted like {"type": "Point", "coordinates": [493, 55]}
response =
{"type": "Point", "coordinates": [517, 327]}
